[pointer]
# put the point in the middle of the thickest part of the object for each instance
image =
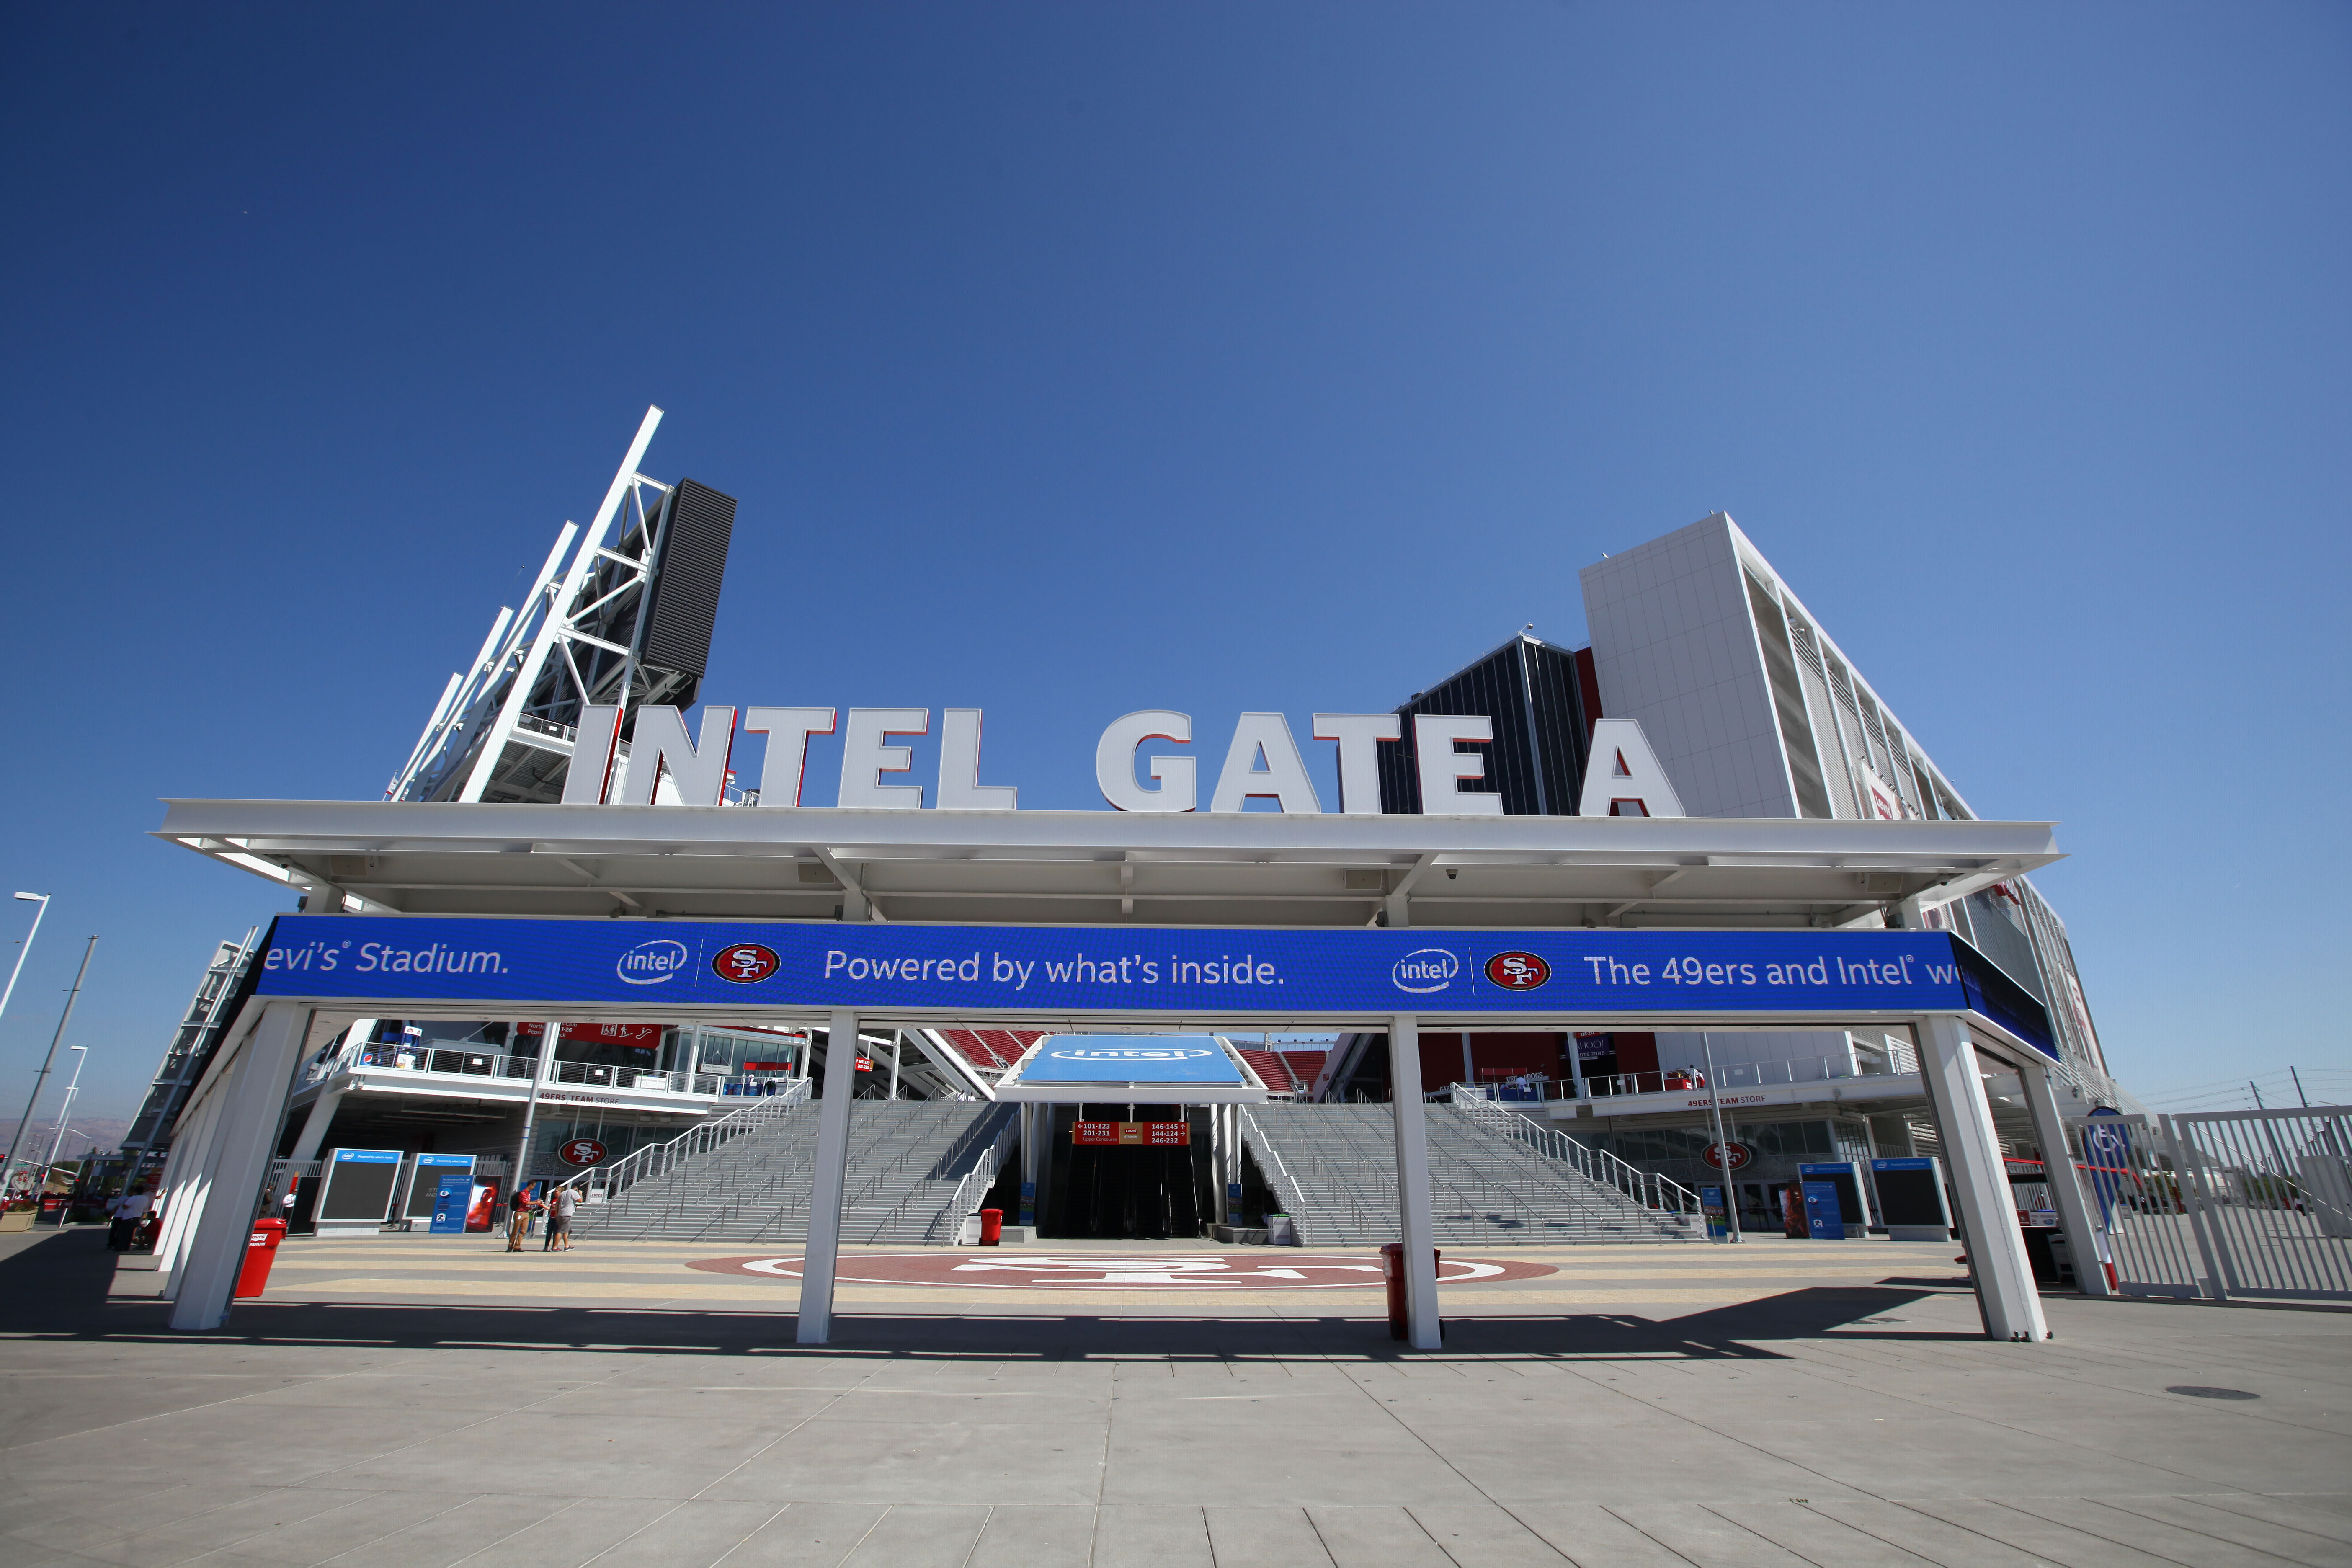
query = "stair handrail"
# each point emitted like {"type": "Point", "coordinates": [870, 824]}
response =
{"type": "Point", "coordinates": [1286, 1186]}
{"type": "Point", "coordinates": [656, 1159]}
{"type": "Point", "coordinates": [1647, 1188]}
{"type": "Point", "coordinates": [973, 1189]}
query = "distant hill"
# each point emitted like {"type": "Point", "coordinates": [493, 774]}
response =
{"type": "Point", "coordinates": [106, 1131]}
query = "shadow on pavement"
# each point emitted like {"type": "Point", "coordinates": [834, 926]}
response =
{"type": "Point", "coordinates": [57, 1292]}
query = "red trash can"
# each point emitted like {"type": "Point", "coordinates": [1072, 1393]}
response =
{"type": "Point", "coordinates": [1393, 1272]}
{"type": "Point", "coordinates": [991, 1227]}
{"type": "Point", "coordinates": [259, 1252]}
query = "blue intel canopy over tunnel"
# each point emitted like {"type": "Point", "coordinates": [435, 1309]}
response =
{"type": "Point", "coordinates": [1180, 1059]}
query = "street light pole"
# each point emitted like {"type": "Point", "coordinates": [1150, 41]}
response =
{"type": "Point", "coordinates": [42, 899]}
{"type": "Point", "coordinates": [66, 1109]}
{"type": "Point", "coordinates": [27, 1119]}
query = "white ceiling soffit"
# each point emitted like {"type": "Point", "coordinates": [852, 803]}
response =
{"type": "Point", "coordinates": [1092, 867]}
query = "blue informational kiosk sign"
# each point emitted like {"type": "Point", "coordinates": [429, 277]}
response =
{"type": "Point", "coordinates": [1844, 1178]}
{"type": "Point", "coordinates": [452, 1202]}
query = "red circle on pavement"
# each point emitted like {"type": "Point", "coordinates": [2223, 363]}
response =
{"type": "Point", "coordinates": [996, 1269]}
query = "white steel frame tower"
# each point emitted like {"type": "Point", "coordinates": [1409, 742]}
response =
{"type": "Point", "coordinates": [484, 742]}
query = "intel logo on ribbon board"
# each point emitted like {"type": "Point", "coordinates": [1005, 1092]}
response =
{"type": "Point", "coordinates": [651, 962]}
{"type": "Point", "coordinates": [1191, 1059]}
{"type": "Point", "coordinates": [1130, 1055]}
{"type": "Point", "coordinates": [1430, 969]}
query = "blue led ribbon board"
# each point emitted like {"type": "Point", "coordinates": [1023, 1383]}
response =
{"type": "Point", "coordinates": [979, 970]}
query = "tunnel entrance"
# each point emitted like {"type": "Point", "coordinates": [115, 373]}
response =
{"type": "Point", "coordinates": [1128, 1173]}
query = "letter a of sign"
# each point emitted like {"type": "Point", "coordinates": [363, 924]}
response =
{"type": "Point", "coordinates": [1622, 778]}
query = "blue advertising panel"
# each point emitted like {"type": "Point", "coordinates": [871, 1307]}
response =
{"type": "Point", "coordinates": [1177, 1061]}
{"type": "Point", "coordinates": [1124, 969]}
{"type": "Point", "coordinates": [452, 1202]}
{"type": "Point", "coordinates": [1824, 1216]}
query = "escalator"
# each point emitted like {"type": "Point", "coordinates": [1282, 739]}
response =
{"type": "Point", "coordinates": [1127, 1193]}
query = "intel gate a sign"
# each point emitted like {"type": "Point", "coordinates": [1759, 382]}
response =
{"type": "Point", "coordinates": [1065, 969]}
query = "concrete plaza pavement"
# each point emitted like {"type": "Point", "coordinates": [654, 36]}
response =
{"type": "Point", "coordinates": [406, 1401]}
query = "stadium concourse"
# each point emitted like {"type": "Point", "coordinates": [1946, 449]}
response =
{"type": "Point", "coordinates": [414, 1399]}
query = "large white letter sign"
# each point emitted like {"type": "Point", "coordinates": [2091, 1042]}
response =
{"type": "Point", "coordinates": [1442, 768]}
{"type": "Point", "coordinates": [1283, 777]}
{"type": "Point", "coordinates": [960, 785]}
{"type": "Point", "coordinates": [591, 757]}
{"type": "Point", "coordinates": [1359, 736]}
{"type": "Point", "coordinates": [865, 759]}
{"type": "Point", "coordinates": [788, 730]}
{"type": "Point", "coordinates": [1114, 763]}
{"type": "Point", "coordinates": [659, 749]}
{"type": "Point", "coordinates": [1621, 775]}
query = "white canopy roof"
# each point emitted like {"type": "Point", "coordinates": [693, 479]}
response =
{"type": "Point", "coordinates": [1248, 868]}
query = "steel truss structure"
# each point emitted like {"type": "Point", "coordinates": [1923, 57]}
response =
{"type": "Point", "coordinates": [209, 1012]}
{"type": "Point", "coordinates": [505, 727]}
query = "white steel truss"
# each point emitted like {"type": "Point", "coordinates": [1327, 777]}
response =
{"type": "Point", "coordinates": [505, 727]}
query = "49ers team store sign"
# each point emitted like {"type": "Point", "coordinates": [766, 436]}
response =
{"type": "Point", "coordinates": [976, 969]}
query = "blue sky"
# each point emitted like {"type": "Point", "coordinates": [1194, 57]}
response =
{"type": "Point", "coordinates": [1070, 359]}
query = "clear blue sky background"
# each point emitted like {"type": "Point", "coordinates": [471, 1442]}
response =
{"type": "Point", "coordinates": [1074, 359]}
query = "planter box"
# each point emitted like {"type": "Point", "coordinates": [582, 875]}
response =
{"type": "Point", "coordinates": [16, 1219]}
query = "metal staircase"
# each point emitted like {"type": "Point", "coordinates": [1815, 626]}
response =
{"type": "Point", "coordinates": [917, 1168]}
{"type": "Point", "coordinates": [1490, 1182]}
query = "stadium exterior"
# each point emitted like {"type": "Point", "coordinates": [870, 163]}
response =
{"type": "Point", "coordinates": [1710, 763]}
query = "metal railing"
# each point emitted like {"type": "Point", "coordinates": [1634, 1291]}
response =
{"type": "Point", "coordinates": [1278, 1174]}
{"type": "Point", "coordinates": [973, 1189]}
{"type": "Point", "coordinates": [1646, 1189]}
{"type": "Point", "coordinates": [2271, 1195]}
{"type": "Point", "coordinates": [1900, 1060]}
{"type": "Point", "coordinates": [473, 1062]}
{"type": "Point", "coordinates": [608, 1181]}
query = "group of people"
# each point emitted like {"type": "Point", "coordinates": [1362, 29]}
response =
{"type": "Point", "coordinates": [558, 1206]}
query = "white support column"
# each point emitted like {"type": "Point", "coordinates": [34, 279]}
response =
{"type": "Point", "coordinates": [831, 1178]}
{"type": "Point", "coordinates": [229, 1175]}
{"type": "Point", "coordinates": [1225, 1160]}
{"type": "Point", "coordinates": [176, 1191]}
{"type": "Point", "coordinates": [1423, 1330]}
{"type": "Point", "coordinates": [1998, 1265]}
{"type": "Point", "coordinates": [2082, 1237]}
{"type": "Point", "coordinates": [315, 1125]}
{"type": "Point", "coordinates": [1032, 1136]}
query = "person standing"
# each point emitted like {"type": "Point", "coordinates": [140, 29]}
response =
{"type": "Point", "coordinates": [559, 1205]}
{"type": "Point", "coordinates": [127, 1211]}
{"type": "Point", "coordinates": [519, 1217]}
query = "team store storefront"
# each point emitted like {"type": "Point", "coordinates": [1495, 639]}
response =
{"type": "Point", "coordinates": [496, 926]}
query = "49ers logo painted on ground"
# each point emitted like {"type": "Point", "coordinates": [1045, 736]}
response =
{"type": "Point", "coordinates": [1003, 1271]}
{"type": "Point", "coordinates": [1518, 971]}
{"type": "Point", "coordinates": [746, 962]}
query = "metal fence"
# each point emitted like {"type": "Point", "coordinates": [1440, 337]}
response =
{"type": "Point", "coordinates": [2271, 1189]}
{"type": "Point", "coordinates": [2254, 1203]}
